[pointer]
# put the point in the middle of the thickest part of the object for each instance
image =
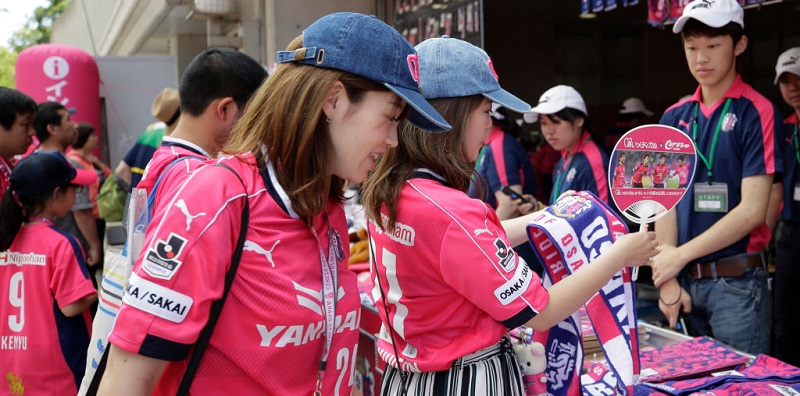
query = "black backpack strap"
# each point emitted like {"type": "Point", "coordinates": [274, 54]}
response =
{"type": "Point", "coordinates": [216, 307]}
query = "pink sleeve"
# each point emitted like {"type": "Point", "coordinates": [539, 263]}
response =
{"type": "Point", "coordinates": [486, 271]}
{"type": "Point", "coordinates": [70, 281]}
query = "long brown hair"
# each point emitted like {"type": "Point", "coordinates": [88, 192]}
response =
{"type": "Point", "coordinates": [443, 153]}
{"type": "Point", "coordinates": [285, 119]}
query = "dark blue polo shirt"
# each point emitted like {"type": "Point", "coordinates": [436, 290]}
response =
{"type": "Point", "coordinates": [791, 179]}
{"type": "Point", "coordinates": [584, 168]}
{"type": "Point", "coordinates": [746, 147]}
{"type": "Point", "coordinates": [504, 162]}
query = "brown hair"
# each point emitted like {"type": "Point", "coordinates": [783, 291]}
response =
{"type": "Point", "coordinates": [284, 122]}
{"type": "Point", "coordinates": [443, 153]}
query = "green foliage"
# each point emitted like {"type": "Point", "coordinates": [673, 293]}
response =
{"type": "Point", "coordinates": [37, 30]}
{"type": "Point", "coordinates": [7, 61]}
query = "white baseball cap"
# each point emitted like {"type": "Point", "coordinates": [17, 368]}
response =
{"type": "Point", "coordinates": [714, 13]}
{"type": "Point", "coordinates": [635, 105]}
{"type": "Point", "coordinates": [495, 113]}
{"type": "Point", "coordinates": [789, 61]}
{"type": "Point", "coordinates": [554, 100]}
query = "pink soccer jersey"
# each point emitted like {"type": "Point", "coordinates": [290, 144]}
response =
{"type": "Point", "coordinates": [270, 335]}
{"type": "Point", "coordinates": [619, 176]}
{"type": "Point", "coordinates": [170, 150]}
{"type": "Point", "coordinates": [683, 173]}
{"type": "Point", "coordinates": [639, 172]}
{"type": "Point", "coordinates": [660, 173]}
{"type": "Point", "coordinates": [453, 283]}
{"type": "Point", "coordinates": [43, 352]}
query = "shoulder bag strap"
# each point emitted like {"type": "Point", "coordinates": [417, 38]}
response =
{"type": "Point", "coordinates": [216, 306]}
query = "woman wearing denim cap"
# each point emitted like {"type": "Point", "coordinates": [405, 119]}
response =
{"type": "Point", "coordinates": [290, 324]}
{"type": "Point", "coordinates": [561, 112]}
{"type": "Point", "coordinates": [443, 260]}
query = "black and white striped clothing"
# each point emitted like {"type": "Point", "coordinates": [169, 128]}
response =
{"type": "Point", "coordinates": [489, 371]}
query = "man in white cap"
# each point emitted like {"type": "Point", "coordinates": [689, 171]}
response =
{"type": "Point", "coordinates": [787, 274]}
{"type": "Point", "coordinates": [632, 114]}
{"type": "Point", "coordinates": [711, 262]}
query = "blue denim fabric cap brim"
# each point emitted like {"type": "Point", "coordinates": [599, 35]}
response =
{"type": "Point", "coordinates": [366, 46]}
{"type": "Point", "coordinates": [452, 68]}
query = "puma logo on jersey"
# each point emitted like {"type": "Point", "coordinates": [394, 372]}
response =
{"type": "Point", "coordinates": [181, 204]}
{"type": "Point", "coordinates": [484, 230]}
{"type": "Point", "coordinates": [312, 299]}
{"type": "Point", "coordinates": [250, 246]}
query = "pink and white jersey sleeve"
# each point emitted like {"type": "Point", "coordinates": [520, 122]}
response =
{"type": "Point", "coordinates": [170, 150]}
{"type": "Point", "coordinates": [271, 332]}
{"type": "Point", "coordinates": [454, 284]}
{"type": "Point", "coordinates": [43, 352]}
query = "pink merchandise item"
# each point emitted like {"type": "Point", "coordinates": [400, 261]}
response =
{"type": "Point", "coordinates": [687, 359]}
{"type": "Point", "coordinates": [647, 204]}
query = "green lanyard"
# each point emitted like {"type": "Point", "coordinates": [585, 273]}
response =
{"type": "Point", "coordinates": [710, 161]}
{"type": "Point", "coordinates": [560, 179]}
{"type": "Point", "coordinates": [796, 145]}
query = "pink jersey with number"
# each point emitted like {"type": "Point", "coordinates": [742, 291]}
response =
{"type": "Point", "coordinates": [42, 352]}
{"type": "Point", "coordinates": [454, 284]}
{"type": "Point", "coordinates": [660, 173]}
{"type": "Point", "coordinates": [270, 336]}
{"type": "Point", "coordinates": [170, 150]}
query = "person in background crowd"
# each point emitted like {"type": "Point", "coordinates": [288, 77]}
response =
{"type": "Point", "coordinates": [503, 162]}
{"type": "Point", "coordinates": [632, 114]}
{"type": "Point", "coordinates": [455, 257]}
{"type": "Point", "coordinates": [787, 248]}
{"type": "Point", "coordinates": [166, 108]}
{"type": "Point", "coordinates": [81, 154]}
{"type": "Point", "coordinates": [46, 286]}
{"type": "Point", "coordinates": [16, 115]}
{"type": "Point", "coordinates": [544, 160]}
{"type": "Point", "coordinates": [561, 112]}
{"type": "Point", "coordinates": [711, 262]}
{"type": "Point", "coordinates": [351, 75]}
{"type": "Point", "coordinates": [56, 132]}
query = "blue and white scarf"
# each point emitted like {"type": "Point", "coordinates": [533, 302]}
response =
{"type": "Point", "coordinates": [566, 236]}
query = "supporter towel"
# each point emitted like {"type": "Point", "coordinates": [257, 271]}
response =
{"type": "Point", "coordinates": [566, 236]}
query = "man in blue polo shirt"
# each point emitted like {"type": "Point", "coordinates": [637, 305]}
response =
{"type": "Point", "coordinates": [787, 274]}
{"type": "Point", "coordinates": [711, 262]}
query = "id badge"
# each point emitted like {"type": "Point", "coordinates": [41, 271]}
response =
{"type": "Point", "coordinates": [711, 198]}
{"type": "Point", "coordinates": [796, 195]}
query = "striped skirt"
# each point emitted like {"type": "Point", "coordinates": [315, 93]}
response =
{"type": "Point", "coordinates": [491, 371]}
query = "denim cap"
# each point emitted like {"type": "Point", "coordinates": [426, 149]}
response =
{"type": "Point", "coordinates": [366, 46]}
{"type": "Point", "coordinates": [43, 171]}
{"type": "Point", "coordinates": [714, 13]}
{"type": "Point", "coordinates": [452, 68]}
